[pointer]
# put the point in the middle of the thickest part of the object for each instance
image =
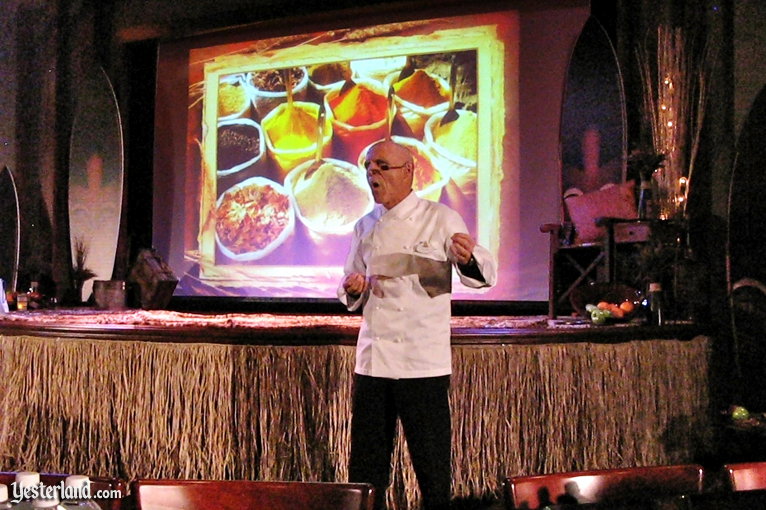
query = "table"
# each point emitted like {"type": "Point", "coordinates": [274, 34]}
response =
{"type": "Point", "coordinates": [273, 403]}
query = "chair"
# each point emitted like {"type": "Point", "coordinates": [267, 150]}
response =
{"type": "Point", "coordinates": [582, 249]}
{"type": "Point", "coordinates": [595, 486]}
{"type": "Point", "coordinates": [237, 494]}
{"type": "Point", "coordinates": [96, 484]}
{"type": "Point", "coordinates": [587, 262]}
{"type": "Point", "coordinates": [746, 476]}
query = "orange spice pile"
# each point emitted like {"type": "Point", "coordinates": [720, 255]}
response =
{"type": "Point", "coordinates": [359, 106]}
{"type": "Point", "coordinates": [421, 89]}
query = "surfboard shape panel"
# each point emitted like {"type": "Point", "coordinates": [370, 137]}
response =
{"type": "Point", "coordinates": [746, 251]}
{"type": "Point", "coordinates": [10, 229]}
{"type": "Point", "coordinates": [593, 117]}
{"type": "Point", "coordinates": [96, 177]}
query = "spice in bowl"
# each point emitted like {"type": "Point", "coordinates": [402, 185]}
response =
{"type": "Point", "coordinates": [239, 145]}
{"type": "Point", "coordinates": [359, 106]}
{"type": "Point", "coordinates": [232, 98]}
{"type": "Point", "coordinates": [422, 89]}
{"type": "Point", "coordinates": [273, 80]}
{"type": "Point", "coordinates": [253, 218]}
{"type": "Point", "coordinates": [326, 74]}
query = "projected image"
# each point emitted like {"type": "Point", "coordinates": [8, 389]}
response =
{"type": "Point", "coordinates": [278, 130]}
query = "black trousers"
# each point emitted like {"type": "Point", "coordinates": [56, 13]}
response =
{"type": "Point", "coordinates": [422, 405]}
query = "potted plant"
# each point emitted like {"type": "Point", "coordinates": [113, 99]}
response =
{"type": "Point", "coordinates": [80, 273]}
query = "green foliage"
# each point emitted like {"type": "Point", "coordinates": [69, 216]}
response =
{"type": "Point", "coordinates": [80, 273]}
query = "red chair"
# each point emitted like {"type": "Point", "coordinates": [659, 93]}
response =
{"type": "Point", "coordinates": [746, 476]}
{"type": "Point", "coordinates": [237, 494]}
{"type": "Point", "coordinates": [635, 483]}
{"type": "Point", "coordinates": [96, 484]}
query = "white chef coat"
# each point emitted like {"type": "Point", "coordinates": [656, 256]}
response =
{"type": "Point", "coordinates": [404, 253]}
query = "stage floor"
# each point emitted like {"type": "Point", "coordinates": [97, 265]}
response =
{"type": "Point", "coordinates": [308, 329]}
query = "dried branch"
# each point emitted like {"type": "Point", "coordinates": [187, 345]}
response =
{"type": "Point", "coordinates": [674, 81]}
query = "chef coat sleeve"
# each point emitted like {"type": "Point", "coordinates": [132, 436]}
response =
{"type": "Point", "coordinates": [354, 264]}
{"type": "Point", "coordinates": [482, 258]}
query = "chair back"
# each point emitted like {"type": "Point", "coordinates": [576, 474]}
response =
{"type": "Point", "coordinates": [746, 476]}
{"type": "Point", "coordinates": [97, 484]}
{"type": "Point", "coordinates": [238, 494]}
{"type": "Point", "coordinates": [596, 486]}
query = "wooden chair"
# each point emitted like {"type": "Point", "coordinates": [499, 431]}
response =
{"type": "Point", "coordinates": [238, 494]}
{"type": "Point", "coordinates": [578, 246]}
{"type": "Point", "coordinates": [603, 485]}
{"type": "Point", "coordinates": [746, 476]}
{"type": "Point", "coordinates": [96, 484]}
{"type": "Point", "coordinates": [587, 262]}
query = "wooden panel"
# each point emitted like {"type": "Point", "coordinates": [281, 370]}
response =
{"type": "Point", "coordinates": [604, 485]}
{"type": "Point", "coordinates": [239, 494]}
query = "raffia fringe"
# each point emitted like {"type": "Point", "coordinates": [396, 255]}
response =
{"type": "Point", "coordinates": [151, 410]}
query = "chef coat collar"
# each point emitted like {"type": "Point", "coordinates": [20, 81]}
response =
{"type": "Point", "coordinates": [401, 210]}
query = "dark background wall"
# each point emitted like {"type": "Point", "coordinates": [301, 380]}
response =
{"type": "Point", "coordinates": [44, 45]}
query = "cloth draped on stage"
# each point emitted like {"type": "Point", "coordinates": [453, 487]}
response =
{"type": "Point", "coordinates": [217, 411]}
{"type": "Point", "coordinates": [87, 316]}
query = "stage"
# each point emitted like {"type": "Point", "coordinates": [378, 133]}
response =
{"type": "Point", "coordinates": [177, 395]}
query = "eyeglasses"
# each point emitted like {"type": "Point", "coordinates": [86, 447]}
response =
{"type": "Point", "coordinates": [382, 166]}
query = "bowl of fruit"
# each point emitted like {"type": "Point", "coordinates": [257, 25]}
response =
{"type": "Point", "coordinates": [604, 303]}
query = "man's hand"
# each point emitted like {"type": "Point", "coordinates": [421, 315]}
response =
{"type": "Point", "coordinates": [462, 248]}
{"type": "Point", "coordinates": [355, 284]}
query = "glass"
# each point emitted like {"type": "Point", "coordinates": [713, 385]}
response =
{"type": "Point", "coordinates": [22, 301]}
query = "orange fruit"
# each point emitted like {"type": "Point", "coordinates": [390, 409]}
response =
{"type": "Point", "coordinates": [627, 306]}
{"type": "Point", "coordinates": [602, 305]}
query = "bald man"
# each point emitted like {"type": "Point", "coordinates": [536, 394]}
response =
{"type": "Point", "coordinates": [399, 271]}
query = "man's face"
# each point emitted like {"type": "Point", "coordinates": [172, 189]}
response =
{"type": "Point", "coordinates": [389, 173]}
